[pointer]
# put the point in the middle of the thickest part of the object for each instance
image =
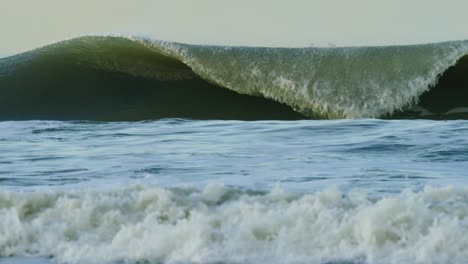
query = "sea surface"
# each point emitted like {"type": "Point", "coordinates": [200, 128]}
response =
{"type": "Point", "coordinates": [129, 150]}
{"type": "Point", "coordinates": [188, 191]}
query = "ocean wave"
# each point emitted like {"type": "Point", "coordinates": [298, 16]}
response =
{"type": "Point", "coordinates": [223, 225]}
{"type": "Point", "coordinates": [122, 78]}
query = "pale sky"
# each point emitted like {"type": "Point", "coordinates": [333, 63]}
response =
{"type": "Point", "coordinates": [26, 24]}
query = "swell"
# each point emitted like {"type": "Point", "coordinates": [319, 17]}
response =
{"type": "Point", "coordinates": [124, 78]}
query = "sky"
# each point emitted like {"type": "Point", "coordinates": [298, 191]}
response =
{"type": "Point", "coordinates": [27, 24]}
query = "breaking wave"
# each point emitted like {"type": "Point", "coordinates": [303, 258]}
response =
{"type": "Point", "coordinates": [125, 78]}
{"type": "Point", "coordinates": [222, 225]}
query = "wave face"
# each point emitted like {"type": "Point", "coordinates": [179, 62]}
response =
{"type": "Point", "coordinates": [124, 78]}
{"type": "Point", "coordinates": [221, 225]}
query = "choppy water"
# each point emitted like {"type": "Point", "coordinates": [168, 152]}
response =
{"type": "Point", "coordinates": [178, 191]}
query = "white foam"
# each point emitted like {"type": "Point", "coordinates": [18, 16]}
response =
{"type": "Point", "coordinates": [219, 224]}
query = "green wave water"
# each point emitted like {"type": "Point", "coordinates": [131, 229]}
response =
{"type": "Point", "coordinates": [126, 78]}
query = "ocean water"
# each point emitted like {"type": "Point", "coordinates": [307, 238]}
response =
{"type": "Point", "coordinates": [188, 191]}
{"type": "Point", "coordinates": [119, 149]}
{"type": "Point", "coordinates": [122, 78]}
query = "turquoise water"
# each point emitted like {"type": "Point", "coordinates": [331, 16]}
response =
{"type": "Point", "coordinates": [187, 191]}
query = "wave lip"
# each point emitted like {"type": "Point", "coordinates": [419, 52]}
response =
{"type": "Point", "coordinates": [219, 224]}
{"type": "Point", "coordinates": [352, 82]}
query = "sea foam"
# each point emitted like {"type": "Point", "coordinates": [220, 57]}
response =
{"type": "Point", "coordinates": [220, 224]}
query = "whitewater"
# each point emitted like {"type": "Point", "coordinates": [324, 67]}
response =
{"type": "Point", "coordinates": [218, 225]}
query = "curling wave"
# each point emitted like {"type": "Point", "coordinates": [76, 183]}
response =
{"type": "Point", "coordinates": [125, 78]}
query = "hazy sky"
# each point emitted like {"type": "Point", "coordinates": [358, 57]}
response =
{"type": "Point", "coordinates": [25, 24]}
